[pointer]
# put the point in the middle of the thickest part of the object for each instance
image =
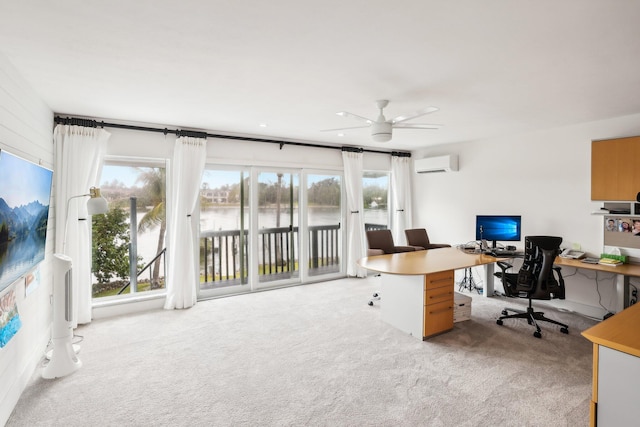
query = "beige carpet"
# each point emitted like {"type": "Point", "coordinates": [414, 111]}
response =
{"type": "Point", "coordinates": [315, 355]}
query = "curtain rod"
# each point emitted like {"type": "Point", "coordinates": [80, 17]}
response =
{"type": "Point", "coordinates": [94, 123]}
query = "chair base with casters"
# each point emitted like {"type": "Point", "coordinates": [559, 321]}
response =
{"type": "Point", "coordinates": [374, 297]}
{"type": "Point", "coordinates": [532, 317]}
{"type": "Point", "coordinates": [538, 278]}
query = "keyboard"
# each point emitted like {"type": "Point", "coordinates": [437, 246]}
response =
{"type": "Point", "coordinates": [505, 252]}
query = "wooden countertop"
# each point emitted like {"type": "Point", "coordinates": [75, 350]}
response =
{"type": "Point", "coordinates": [425, 262]}
{"type": "Point", "coordinates": [620, 332]}
{"type": "Point", "coordinates": [625, 269]}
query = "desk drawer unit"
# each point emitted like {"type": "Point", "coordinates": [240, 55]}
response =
{"type": "Point", "coordinates": [438, 303]}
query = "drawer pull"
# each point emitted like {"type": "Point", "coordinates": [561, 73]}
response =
{"type": "Point", "coordinates": [446, 279]}
{"type": "Point", "coordinates": [441, 296]}
{"type": "Point", "coordinates": [443, 310]}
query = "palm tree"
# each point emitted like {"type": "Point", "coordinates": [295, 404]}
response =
{"type": "Point", "coordinates": [154, 185]}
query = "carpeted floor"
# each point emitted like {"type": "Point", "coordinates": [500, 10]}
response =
{"type": "Point", "coordinates": [316, 355]}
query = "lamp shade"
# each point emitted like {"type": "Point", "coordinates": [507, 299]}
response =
{"type": "Point", "coordinates": [96, 204]}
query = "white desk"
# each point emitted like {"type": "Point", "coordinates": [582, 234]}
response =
{"type": "Point", "coordinates": [418, 287]}
{"type": "Point", "coordinates": [616, 368]}
{"type": "Point", "coordinates": [622, 272]}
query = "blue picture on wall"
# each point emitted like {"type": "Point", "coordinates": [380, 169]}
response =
{"type": "Point", "coordinates": [9, 319]}
{"type": "Point", "coordinates": [25, 191]}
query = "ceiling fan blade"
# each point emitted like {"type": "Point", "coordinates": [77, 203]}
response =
{"type": "Point", "coordinates": [416, 126]}
{"type": "Point", "coordinates": [333, 130]}
{"type": "Point", "coordinates": [355, 116]}
{"type": "Point", "coordinates": [427, 110]}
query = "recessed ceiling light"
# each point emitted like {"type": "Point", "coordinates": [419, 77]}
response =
{"type": "Point", "coordinates": [341, 134]}
{"type": "Point", "coordinates": [263, 125]}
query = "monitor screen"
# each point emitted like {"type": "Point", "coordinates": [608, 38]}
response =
{"type": "Point", "coordinates": [498, 227]}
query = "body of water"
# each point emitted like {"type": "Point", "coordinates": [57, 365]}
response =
{"type": "Point", "coordinates": [228, 218]}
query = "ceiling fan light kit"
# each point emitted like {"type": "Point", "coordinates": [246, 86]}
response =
{"type": "Point", "coordinates": [381, 132]}
{"type": "Point", "coordinates": [381, 128]}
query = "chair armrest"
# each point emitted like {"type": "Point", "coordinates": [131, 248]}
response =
{"type": "Point", "coordinates": [509, 286]}
{"type": "Point", "coordinates": [374, 252]}
{"type": "Point", "coordinates": [559, 292]}
{"type": "Point", "coordinates": [504, 266]}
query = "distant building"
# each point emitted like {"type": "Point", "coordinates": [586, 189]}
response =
{"type": "Point", "coordinates": [215, 196]}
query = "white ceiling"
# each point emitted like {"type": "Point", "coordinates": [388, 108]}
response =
{"type": "Point", "coordinates": [493, 67]}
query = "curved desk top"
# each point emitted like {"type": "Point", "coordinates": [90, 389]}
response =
{"type": "Point", "coordinates": [425, 262]}
{"type": "Point", "coordinates": [619, 332]}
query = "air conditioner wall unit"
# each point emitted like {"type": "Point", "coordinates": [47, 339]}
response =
{"type": "Point", "coordinates": [448, 163]}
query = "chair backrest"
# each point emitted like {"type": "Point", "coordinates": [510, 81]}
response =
{"type": "Point", "coordinates": [536, 277]}
{"type": "Point", "coordinates": [381, 239]}
{"type": "Point", "coordinates": [417, 237]}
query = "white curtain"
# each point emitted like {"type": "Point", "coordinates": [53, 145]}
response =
{"type": "Point", "coordinates": [187, 166]}
{"type": "Point", "coordinates": [79, 152]}
{"type": "Point", "coordinates": [400, 197]}
{"type": "Point", "coordinates": [356, 246]}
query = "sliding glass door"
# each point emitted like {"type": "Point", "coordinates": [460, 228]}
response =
{"type": "Point", "coordinates": [324, 223]}
{"type": "Point", "coordinates": [375, 192]}
{"type": "Point", "coordinates": [224, 235]}
{"type": "Point", "coordinates": [278, 234]}
{"type": "Point", "coordinates": [262, 228]}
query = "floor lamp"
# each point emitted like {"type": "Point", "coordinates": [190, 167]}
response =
{"type": "Point", "coordinates": [63, 359]}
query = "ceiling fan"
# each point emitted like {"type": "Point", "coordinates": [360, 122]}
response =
{"type": "Point", "coordinates": [381, 128]}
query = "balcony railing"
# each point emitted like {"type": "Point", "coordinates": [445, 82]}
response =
{"type": "Point", "coordinates": [160, 256]}
{"type": "Point", "coordinates": [224, 254]}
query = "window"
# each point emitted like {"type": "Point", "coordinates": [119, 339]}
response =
{"type": "Point", "coordinates": [375, 192]}
{"type": "Point", "coordinates": [129, 257]}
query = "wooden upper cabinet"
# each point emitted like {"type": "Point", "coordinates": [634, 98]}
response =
{"type": "Point", "coordinates": [615, 169]}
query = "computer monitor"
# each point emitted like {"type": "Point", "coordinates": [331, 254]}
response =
{"type": "Point", "coordinates": [505, 228]}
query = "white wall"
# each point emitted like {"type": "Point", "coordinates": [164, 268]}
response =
{"type": "Point", "coordinates": [544, 176]}
{"type": "Point", "coordinates": [26, 125]}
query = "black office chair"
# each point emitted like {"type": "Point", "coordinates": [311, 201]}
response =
{"type": "Point", "coordinates": [380, 243]}
{"type": "Point", "coordinates": [536, 279]}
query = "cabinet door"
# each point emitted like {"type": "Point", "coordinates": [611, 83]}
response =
{"type": "Point", "coordinates": [438, 302]}
{"type": "Point", "coordinates": [438, 318]}
{"type": "Point", "coordinates": [615, 175]}
{"type": "Point", "coordinates": [436, 295]}
{"type": "Point", "coordinates": [438, 280]}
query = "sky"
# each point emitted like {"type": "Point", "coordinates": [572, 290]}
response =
{"type": "Point", "coordinates": [22, 182]}
{"type": "Point", "coordinates": [127, 175]}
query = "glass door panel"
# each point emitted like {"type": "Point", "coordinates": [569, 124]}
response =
{"type": "Point", "coordinates": [324, 213]}
{"type": "Point", "coordinates": [278, 234]}
{"type": "Point", "coordinates": [224, 224]}
{"type": "Point", "coordinates": [375, 191]}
